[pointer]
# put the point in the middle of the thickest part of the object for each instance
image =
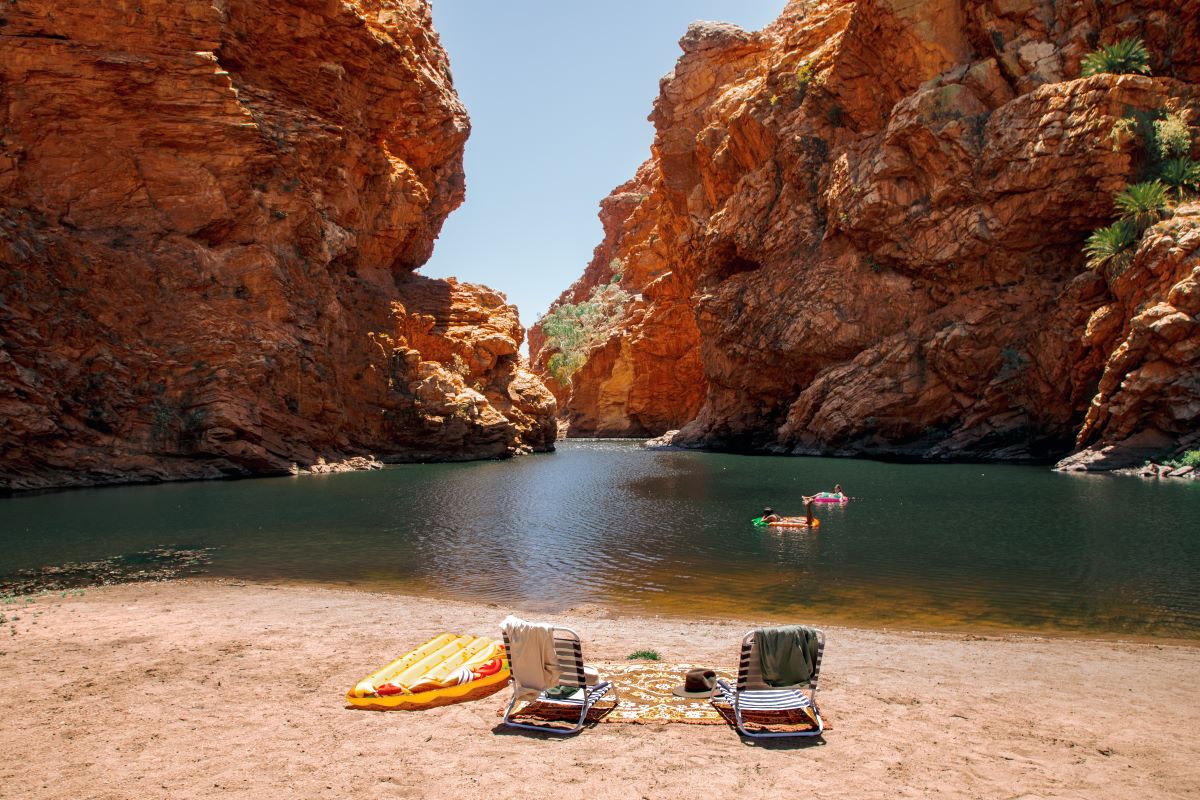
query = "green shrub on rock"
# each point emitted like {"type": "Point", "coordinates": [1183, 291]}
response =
{"type": "Point", "coordinates": [1168, 174]}
{"type": "Point", "coordinates": [804, 76]}
{"type": "Point", "coordinates": [1142, 203]}
{"type": "Point", "coordinates": [573, 329]}
{"type": "Point", "coordinates": [1172, 136]}
{"type": "Point", "coordinates": [1181, 175]}
{"type": "Point", "coordinates": [1126, 56]}
{"type": "Point", "coordinates": [1111, 248]}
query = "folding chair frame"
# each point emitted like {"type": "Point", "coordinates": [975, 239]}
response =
{"type": "Point", "coordinates": [773, 699]}
{"type": "Point", "coordinates": [568, 649]}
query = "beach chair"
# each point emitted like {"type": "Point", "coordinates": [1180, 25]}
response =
{"type": "Point", "coordinates": [753, 695]}
{"type": "Point", "coordinates": [570, 664]}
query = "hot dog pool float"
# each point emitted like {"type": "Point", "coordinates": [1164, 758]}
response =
{"type": "Point", "coordinates": [446, 669]}
{"type": "Point", "coordinates": [795, 522]}
{"type": "Point", "coordinates": [787, 522]}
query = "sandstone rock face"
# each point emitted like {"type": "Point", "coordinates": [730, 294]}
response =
{"type": "Point", "coordinates": [1148, 397]}
{"type": "Point", "coordinates": [866, 222]}
{"type": "Point", "coordinates": [649, 378]}
{"type": "Point", "coordinates": [209, 217]}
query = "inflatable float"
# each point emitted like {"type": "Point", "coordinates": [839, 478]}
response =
{"type": "Point", "coordinates": [830, 497]}
{"type": "Point", "coordinates": [446, 669]}
{"type": "Point", "coordinates": [787, 522]}
{"type": "Point", "coordinates": [794, 522]}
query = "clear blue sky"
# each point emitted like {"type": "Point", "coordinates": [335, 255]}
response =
{"type": "Point", "coordinates": [558, 94]}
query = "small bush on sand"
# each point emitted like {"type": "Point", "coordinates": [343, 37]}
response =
{"type": "Point", "coordinates": [1126, 56]}
{"type": "Point", "coordinates": [644, 655]}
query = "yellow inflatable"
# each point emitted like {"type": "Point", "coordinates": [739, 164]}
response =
{"type": "Point", "coordinates": [446, 669]}
{"type": "Point", "coordinates": [794, 522]}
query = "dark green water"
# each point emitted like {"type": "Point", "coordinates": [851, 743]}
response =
{"type": "Point", "coordinates": [931, 546]}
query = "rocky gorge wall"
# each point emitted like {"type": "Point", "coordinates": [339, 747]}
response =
{"type": "Point", "coordinates": [861, 229]}
{"type": "Point", "coordinates": [210, 213]}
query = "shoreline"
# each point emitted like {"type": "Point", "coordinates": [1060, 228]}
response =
{"type": "Point", "coordinates": [176, 574]}
{"type": "Point", "coordinates": [154, 688]}
{"type": "Point", "coordinates": [321, 467]}
{"type": "Point", "coordinates": [367, 463]}
{"type": "Point", "coordinates": [981, 632]}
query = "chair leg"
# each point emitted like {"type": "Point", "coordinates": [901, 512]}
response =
{"type": "Point", "coordinates": [585, 706]}
{"type": "Point", "coordinates": [737, 716]}
{"type": "Point", "coordinates": [508, 711]}
{"type": "Point", "coordinates": [583, 710]}
{"type": "Point", "coordinates": [768, 734]}
{"type": "Point", "coordinates": [777, 734]}
{"type": "Point", "coordinates": [507, 720]}
{"type": "Point", "coordinates": [589, 701]}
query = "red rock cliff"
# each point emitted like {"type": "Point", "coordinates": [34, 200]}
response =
{"type": "Point", "coordinates": [210, 213]}
{"type": "Point", "coordinates": [860, 232]}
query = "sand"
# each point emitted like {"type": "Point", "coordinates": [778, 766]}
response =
{"type": "Point", "coordinates": [211, 689]}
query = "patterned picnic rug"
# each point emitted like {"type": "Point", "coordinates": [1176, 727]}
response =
{"type": "Point", "coordinates": [645, 698]}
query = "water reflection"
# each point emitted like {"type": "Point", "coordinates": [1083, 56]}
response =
{"type": "Point", "coordinates": [791, 548]}
{"type": "Point", "coordinates": [606, 522]}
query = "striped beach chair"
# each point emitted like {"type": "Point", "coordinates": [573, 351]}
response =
{"type": "Point", "coordinates": [569, 651]}
{"type": "Point", "coordinates": [753, 695]}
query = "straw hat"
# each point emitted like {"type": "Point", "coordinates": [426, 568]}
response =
{"type": "Point", "coordinates": [697, 683]}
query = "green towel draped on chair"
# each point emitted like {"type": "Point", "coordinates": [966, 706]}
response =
{"type": "Point", "coordinates": [786, 655]}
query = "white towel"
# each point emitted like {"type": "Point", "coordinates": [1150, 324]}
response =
{"type": "Point", "coordinates": [534, 662]}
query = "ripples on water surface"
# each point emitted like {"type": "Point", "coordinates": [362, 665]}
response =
{"type": "Point", "coordinates": [610, 523]}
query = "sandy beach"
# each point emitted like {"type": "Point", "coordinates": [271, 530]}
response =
{"type": "Point", "coordinates": [204, 688]}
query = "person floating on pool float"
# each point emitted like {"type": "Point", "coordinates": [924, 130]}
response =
{"type": "Point", "coordinates": [769, 517]}
{"type": "Point", "coordinates": [838, 495]}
